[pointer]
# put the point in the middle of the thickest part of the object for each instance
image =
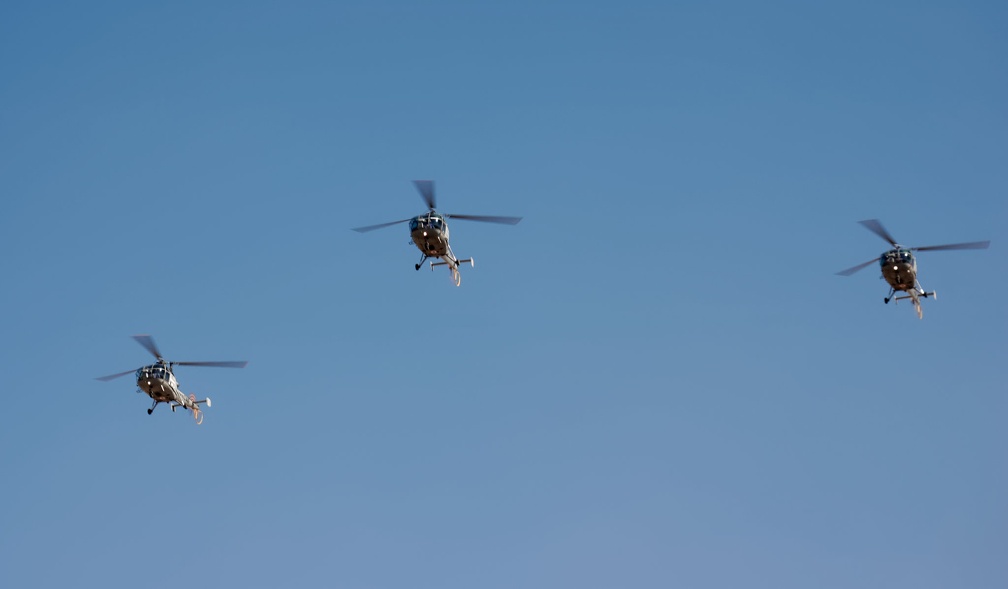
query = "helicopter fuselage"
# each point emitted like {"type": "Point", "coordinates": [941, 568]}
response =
{"type": "Point", "coordinates": [158, 382]}
{"type": "Point", "coordinates": [430, 234]}
{"type": "Point", "coordinates": [899, 268]}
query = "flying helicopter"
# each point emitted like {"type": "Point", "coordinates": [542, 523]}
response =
{"type": "Point", "coordinates": [159, 382]}
{"type": "Point", "coordinates": [899, 266]}
{"type": "Point", "coordinates": [429, 232]}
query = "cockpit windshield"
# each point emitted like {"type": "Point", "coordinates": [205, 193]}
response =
{"type": "Point", "coordinates": [895, 256]}
{"type": "Point", "coordinates": [153, 371]}
{"type": "Point", "coordinates": [430, 221]}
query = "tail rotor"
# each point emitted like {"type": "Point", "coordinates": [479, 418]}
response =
{"type": "Point", "coordinates": [197, 412]}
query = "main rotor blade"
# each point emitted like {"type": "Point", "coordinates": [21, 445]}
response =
{"type": "Point", "coordinates": [148, 342]}
{"type": "Point", "coordinates": [114, 376]}
{"type": "Point", "coordinates": [972, 245]}
{"type": "Point", "coordinates": [426, 188]}
{"type": "Point", "coordinates": [488, 219]}
{"type": "Point", "coordinates": [875, 226]}
{"type": "Point", "coordinates": [231, 364]}
{"type": "Point", "coordinates": [854, 269]}
{"type": "Point", "coordinates": [378, 226]}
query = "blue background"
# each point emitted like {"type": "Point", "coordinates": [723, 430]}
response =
{"type": "Point", "coordinates": [654, 380]}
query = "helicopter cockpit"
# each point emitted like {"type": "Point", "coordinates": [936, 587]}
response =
{"type": "Point", "coordinates": [897, 256]}
{"type": "Point", "coordinates": [158, 371]}
{"type": "Point", "coordinates": [429, 221]}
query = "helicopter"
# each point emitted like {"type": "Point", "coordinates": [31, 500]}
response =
{"type": "Point", "coordinates": [429, 232]}
{"type": "Point", "coordinates": [899, 267]}
{"type": "Point", "coordinates": [159, 382]}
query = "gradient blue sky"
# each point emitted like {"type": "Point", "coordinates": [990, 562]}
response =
{"type": "Point", "coordinates": [655, 380]}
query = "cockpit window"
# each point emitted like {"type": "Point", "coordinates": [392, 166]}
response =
{"type": "Point", "coordinates": [154, 371]}
{"type": "Point", "coordinates": [427, 221]}
{"type": "Point", "coordinates": [897, 256]}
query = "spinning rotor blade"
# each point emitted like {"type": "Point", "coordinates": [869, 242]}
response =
{"type": "Point", "coordinates": [378, 226]}
{"type": "Point", "coordinates": [488, 219]}
{"type": "Point", "coordinates": [972, 245]}
{"type": "Point", "coordinates": [876, 227]}
{"type": "Point", "coordinates": [148, 342]}
{"type": "Point", "coordinates": [233, 364]}
{"type": "Point", "coordinates": [114, 376]}
{"type": "Point", "coordinates": [426, 188]}
{"type": "Point", "coordinates": [854, 269]}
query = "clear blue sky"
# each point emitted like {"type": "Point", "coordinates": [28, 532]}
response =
{"type": "Point", "coordinates": [655, 380]}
